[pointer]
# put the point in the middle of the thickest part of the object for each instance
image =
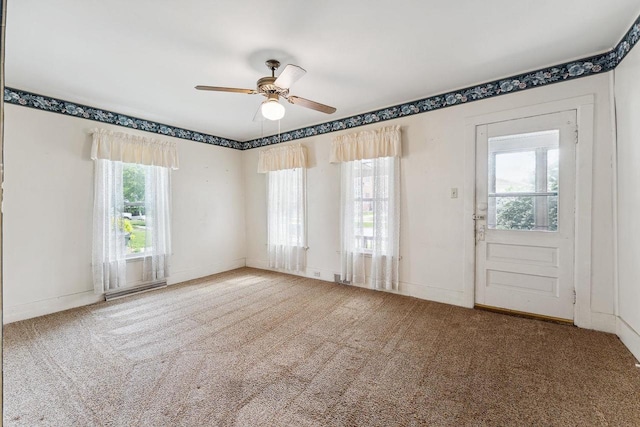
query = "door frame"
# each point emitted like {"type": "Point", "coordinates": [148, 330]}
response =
{"type": "Point", "coordinates": [584, 106]}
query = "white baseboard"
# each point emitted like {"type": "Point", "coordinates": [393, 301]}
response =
{"type": "Point", "coordinates": [429, 293]}
{"type": "Point", "coordinates": [256, 263]}
{"type": "Point", "coordinates": [48, 306]}
{"type": "Point", "coordinates": [432, 293]}
{"type": "Point", "coordinates": [603, 322]}
{"type": "Point", "coordinates": [65, 302]}
{"type": "Point", "coordinates": [196, 273]}
{"type": "Point", "coordinates": [310, 272]}
{"type": "Point", "coordinates": [629, 337]}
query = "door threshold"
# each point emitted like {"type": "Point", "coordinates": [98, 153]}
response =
{"type": "Point", "coordinates": [523, 314]}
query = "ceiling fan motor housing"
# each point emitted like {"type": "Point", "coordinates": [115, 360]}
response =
{"type": "Point", "coordinates": [266, 86]}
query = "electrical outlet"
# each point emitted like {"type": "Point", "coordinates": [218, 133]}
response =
{"type": "Point", "coordinates": [454, 193]}
{"type": "Point", "coordinates": [316, 274]}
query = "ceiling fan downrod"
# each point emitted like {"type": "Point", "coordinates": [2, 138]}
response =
{"type": "Point", "coordinates": [273, 66]}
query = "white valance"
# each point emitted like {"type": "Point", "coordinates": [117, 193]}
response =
{"type": "Point", "coordinates": [278, 158]}
{"type": "Point", "coordinates": [382, 142]}
{"type": "Point", "coordinates": [122, 147]}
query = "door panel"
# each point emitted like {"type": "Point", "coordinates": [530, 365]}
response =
{"type": "Point", "coordinates": [535, 255]}
{"type": "Point", "coordinates": [543, 285]}
{"type": "Point", "coordinates": [525, 198]}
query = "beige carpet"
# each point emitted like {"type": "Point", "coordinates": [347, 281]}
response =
{"type": "Point", "coordinates": [255, 348]}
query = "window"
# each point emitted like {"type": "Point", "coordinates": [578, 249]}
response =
{"type": "Point", "coordinates": [370, 221]}
{"type": "Point", "coordinates": [366, 203]}
{"type": "Point", "coordinates": [131, 207]}
{"type": "Point", "coordinates": [523, 182]}
{"type": "Point", "coordinates": [286, 205]}
{"type": "Point", "coordinates": [369, 205]}
{"type": "Point", "coordinates": [287, 219]}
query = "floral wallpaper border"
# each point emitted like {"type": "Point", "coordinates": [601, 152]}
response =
{"type": "Point", "coordinates": [628, 41]}
{"type": "Point", "coordinates": [41, 102]}
{"type": "Point", "coordinates": [568, 71]}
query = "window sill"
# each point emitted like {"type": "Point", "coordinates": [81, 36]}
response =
{"type": "Point", "coordinates": [135, 258]}
{"type": "Point", "coordinates": [368, 255]}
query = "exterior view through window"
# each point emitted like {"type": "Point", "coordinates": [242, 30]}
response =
{"type": "Point", "coordinates": [366, 204]}
{"type": "Point", "coordinates": [134, 219]}
{"type": "Point", "coordinates": [523, 182]}
{"type": "Point", "coordinates": [286, 209]}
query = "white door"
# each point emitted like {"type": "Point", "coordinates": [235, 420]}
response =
{"type": "Point", "coordinates": [525, 197]}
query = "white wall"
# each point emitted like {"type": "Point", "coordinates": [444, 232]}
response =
{"type": "Point", "coordinates": [48, 204]}
{"type": "Point", "coordinates": [49, 185]}
{"type": "Point", "coordinates": [432, 241]}
{"type": "Point", "coordinates": [627, 92]}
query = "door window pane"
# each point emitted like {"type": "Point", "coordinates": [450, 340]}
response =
{"type": "Point", "coordinates": [514, 213]}
{"type": "Point", "coordinates": [523, 182]}
{"type": "Point", "coordinates": [515, 172]}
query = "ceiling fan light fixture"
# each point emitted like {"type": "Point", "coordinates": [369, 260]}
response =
{"type": "Point", "coordinates": [272, 109]}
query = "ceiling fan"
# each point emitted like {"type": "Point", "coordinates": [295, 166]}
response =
{"type": "Point", "coordinates": [273, 88]}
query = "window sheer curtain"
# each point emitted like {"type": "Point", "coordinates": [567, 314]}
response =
{"type": "Point", "coordinates": [286, 240]}
{"type": "Point", "coordinates": [109, 252]}
{"type": "Point", "coordinates": [383, 146]}
{"type": "Point", "coordinates": [157, 253]}
{"type": "Point", "coordinates": [286, 206]}
{"type": "Point", "coordinates": [109, 151]}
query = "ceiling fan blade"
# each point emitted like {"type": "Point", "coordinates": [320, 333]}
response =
{"type": "Point", "coordinates": [290, 75]}
{"type": "Point", "coordinates": [258, 117]}
{"type": "Point", "coordinates": [311, 104]}
{"type": "Point", "coordinates": [226, 89]}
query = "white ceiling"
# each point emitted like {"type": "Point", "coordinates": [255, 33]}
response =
{"type": "Point", "coordinates": [143, 58]}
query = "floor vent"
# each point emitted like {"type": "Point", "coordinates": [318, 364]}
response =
{"type": "Point", "coordinates": [120, 293]}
